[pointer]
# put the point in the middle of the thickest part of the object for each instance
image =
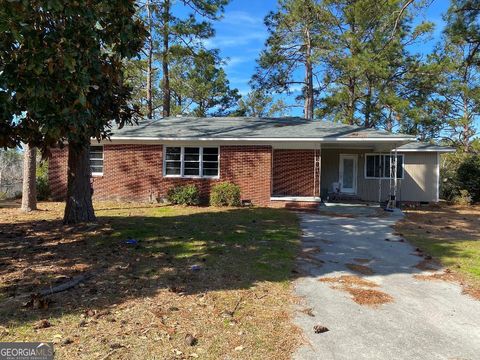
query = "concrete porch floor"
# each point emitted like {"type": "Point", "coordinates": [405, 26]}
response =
{"type": "Point", "coordinates": [352, 209]}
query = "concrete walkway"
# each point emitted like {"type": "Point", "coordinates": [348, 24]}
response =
{"type": "Point", "coordinates": [426, 320]}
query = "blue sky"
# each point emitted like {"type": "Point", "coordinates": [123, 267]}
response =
{"type": "Point", "coordinates": [241, 34]}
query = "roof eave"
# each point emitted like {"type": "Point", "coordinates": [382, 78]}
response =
{"type": "Point", "coordinates": [256, 139]}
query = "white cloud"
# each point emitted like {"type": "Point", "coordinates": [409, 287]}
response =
{"type": "Point", "coordinates": [238, 39]}
{"type": "Point", "coordinates": [241, 18]}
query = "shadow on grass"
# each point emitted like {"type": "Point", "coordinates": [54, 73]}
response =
{"type": "Point", "coordinates": [233, 249]}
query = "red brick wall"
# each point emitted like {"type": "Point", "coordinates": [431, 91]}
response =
{"type": "Point", "coordinates": [294, 173]}
{"type": "Point", "coordinates": [250, 168]}
{"type": "Point", "coordinates": [57, 173]}
{"type": "Point", "coordinates": [134, 172]}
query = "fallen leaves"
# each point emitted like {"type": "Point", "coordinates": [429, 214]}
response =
{"type": "Point", "coordinates": [361, 269]}
{"type": "Point", "coordinates": [428, 264]}
{"type": "Point", "coordinates": [42, 324]}
{"type": "Point", "coordinates": [361, 290]}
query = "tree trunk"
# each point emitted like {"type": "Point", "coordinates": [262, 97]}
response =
{"type": "Point", "coordinates": [351, 102]}
{"type": "Point", "coordinates": [79, 207]}
{"type": "Point", "coordinates": [150, 62]}
{"type": "Point", "coordinates": [165, 70]}
{"type": "Point", "coordinates": [368, 106]}
{"type": "Point", "coordinates": [308, 109]}
{"type": "Point", "coordinates": [29, 190]}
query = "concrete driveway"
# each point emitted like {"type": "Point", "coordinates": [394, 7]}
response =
{"type": "Point", "coordinates": [424, 320]}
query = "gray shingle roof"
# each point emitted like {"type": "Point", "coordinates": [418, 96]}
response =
{"type": "Point", "coordinates": [421, 146]}
{"type": "Point", "coordinates": [248, 128]}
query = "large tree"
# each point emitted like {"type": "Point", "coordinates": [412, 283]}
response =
{"type": "Point", "coordinates": [200, 86]}
{"type": "Point", "coordinates": [460, 55]}
{"type": "Point", "coordinates": [258, 103]}
{"type": "Point", "coordinates": [290, 60]}
{"type": "Point", "coordinates": [173, 36]}
{"type": "Point", "coordinates": [61, 80]}
{"type": "Point", "coordinates": [368, 61]}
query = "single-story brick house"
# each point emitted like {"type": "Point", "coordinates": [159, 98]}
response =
{"type": "Point", "coordinates": [275, 161]}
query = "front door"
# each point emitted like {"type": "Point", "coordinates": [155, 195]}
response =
{"type": "Point", "coordinates": [348, 174]}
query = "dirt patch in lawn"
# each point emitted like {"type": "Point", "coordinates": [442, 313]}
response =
{"type": "Point", "coordinates": [166, 282]}
{"type": "Point", "coordinates": [361, 269]}
{"type": "Point", "coordinates": [363, 292]}
{"type": "Point", "coordinates": [428, 265]}
{"type": "Point", "coordinates": [449, 235]}
{"type": "Point", "coordinates": [450, 276]}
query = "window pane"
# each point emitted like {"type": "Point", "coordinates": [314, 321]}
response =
{"type": "Point", "coordinates": [378, 165]}
{"type": "Point", "coordinates": [210, 172]}
{"type": "Point", "coordinates": [210, 165]}
{"type": "Point", "coordinates": [172, 171]}
{"type": "Point", "coordinates": [348, 169]}
{"type": "Point", "coordinates": [370, 166]}
{"type": "Point", "coordinates": [192, 165]}
{"type": "Point", "coordinates": [210, 157]}
{"type": "Point", "coordinates": [188, 157]}
{"type": "Point", "coordinates": [191, 172]}
{"type": "Point", "coordinates": [170, 164]}
{"type": "Point", "coordinates": [210, 151]}
{"type": "Point", "coordinates": [173, 153]}
{"type": "Point", "coordinates": [96, 159]}
{"type": "Point", "coordinates": [192, 151]}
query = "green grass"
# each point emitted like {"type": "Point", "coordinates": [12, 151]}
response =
{"type": "Point", "coordinates": [255, 244]}
{"type": "Point", "coordinates": [460, 255]}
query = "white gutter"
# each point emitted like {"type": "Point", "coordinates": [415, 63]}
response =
{"type": "Point", "coordinates": [427, 150]}
{"type": "Point", "coordinates": [327, 140]}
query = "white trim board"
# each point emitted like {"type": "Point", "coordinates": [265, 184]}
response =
{"type": "Point", "coordinates": [296, 198]}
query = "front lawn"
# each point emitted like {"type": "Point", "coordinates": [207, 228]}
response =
{"type": "Point", "coordinates": [450, 234]}
{"type": "Point", "coordinates": [161, 276]}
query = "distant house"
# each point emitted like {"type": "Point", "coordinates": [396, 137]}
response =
{"type": "Point", "coordinates": [275, 161]}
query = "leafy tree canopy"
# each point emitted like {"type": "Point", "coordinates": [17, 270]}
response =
{"type": "Point", "coordinates": [61, 69]}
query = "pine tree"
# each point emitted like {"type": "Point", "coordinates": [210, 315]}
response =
{"type": "Point", "coordinates": [259, 104]}
{"type": "Point", "coordinates": [200, 86]}
{"type": "Point", "coordinates": [460, 54]}
{"type": "Point", "coordinates": [172, 37]}
{"type": "Point", "coordinates": [368, 61]}
{"type": "Point", "coordinates": [293, 47]}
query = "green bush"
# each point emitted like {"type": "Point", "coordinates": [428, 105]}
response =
{"type": "Point", "coordinates": [184, 195]}
{"type": "Point", "coordinates": [468, 176]}
{"type": "Point", "coordinates": [463, 198]}
{"type": "Point", "coordinates": [225, 194]}
{"type": "Point", "coordinates": [43, 190]}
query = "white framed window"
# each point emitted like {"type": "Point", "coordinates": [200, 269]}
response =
{"type": "Point", "coordinates": [96, 160]}
{"type": "Point", "coordinates": [191, 162]}
{"type": "Point", "coordinates": [377, 166]}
